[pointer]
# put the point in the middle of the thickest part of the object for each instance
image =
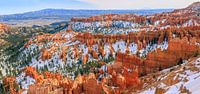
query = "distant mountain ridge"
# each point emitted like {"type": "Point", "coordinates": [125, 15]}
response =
{"type": "Point", "coordinates": [109, 53]}
{"type": "Point", "coordinates": [66, 14]}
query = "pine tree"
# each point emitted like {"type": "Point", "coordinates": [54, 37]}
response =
{"type": "Point", "coordinates": [180, 61]}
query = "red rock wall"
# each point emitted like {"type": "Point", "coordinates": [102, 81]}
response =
{"type": "Point", "coordinates": [177, 49]}
{"type": "Point", "coordinates": [111, 17]}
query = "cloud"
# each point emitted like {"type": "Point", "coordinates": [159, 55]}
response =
{"type": "Point", "coordinates": [138, 4]}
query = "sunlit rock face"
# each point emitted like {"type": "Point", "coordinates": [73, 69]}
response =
{"type": "Point", "coordinates": [125, 23]}
{"type": "Point", "coordinates": [107, 53]}
{"type": "Point", "coordinates": [133, 57]}
{"type": "Point", "coordinates": [3, 26]}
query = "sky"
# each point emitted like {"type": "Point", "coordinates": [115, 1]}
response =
{"type": "Point", "coordinates": [20, 6]}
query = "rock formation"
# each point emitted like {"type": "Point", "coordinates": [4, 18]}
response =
{"type": "Point", "coordinates": [110, 53]}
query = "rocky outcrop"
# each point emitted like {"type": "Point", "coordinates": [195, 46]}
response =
{"type": "Point", "coordinates": [3, 27]}
{"type": "Point", "coordinates": [111, 17]}
{"type": "Point", "coordinates": [134, 23]}
{"type": "Point", "coordinates": [53, 82]}
{"type": "Point", "coordinates": [30, 71]}
{"type": "Point", "coordinates": [9, 84]}
{"type": "Point", "coordinates": [160, 41]}
{"type": "Point", "coordinates": [178, 50]}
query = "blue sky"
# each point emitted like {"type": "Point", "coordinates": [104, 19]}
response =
{"type": "Point", "coordinates": [20, 6]}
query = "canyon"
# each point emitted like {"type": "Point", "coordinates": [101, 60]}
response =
{"type": "Point", "coordinates": [113, 54]}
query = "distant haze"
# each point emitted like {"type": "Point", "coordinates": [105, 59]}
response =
{"type": "Point", "coordinates": [20, 6]}
{"type": "Point", "coordinates": [48, 16]}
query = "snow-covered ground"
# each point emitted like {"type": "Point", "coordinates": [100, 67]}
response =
{"type": "Point", "coordinates": [118, 46]}
{"type": "Point", "coordinates": [116, 27]}
{"type": "Point", "coordinates": [182, 79]}
{"type": "Point", "coordinates": [24, 81]}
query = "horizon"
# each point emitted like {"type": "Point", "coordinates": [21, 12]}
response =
{"type": "Point", "coordinates": [21, 6]}
{"type": "Point", "coordinates": [87, 10]}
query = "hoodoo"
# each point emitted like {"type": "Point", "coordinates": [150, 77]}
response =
{"type": "Point", "coordinates": [110, 53]}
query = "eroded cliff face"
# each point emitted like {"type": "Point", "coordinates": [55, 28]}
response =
{"type": "Point", "coordinates": [3, 28]}
{"type": "Point", "coordinates": [161, 48]}
{"type": "Point", "coordinates": [108, 53]}
{"type": "Point", "coordinates": [125, 23]}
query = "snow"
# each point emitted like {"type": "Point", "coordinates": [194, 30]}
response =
{"type": "Point", "coordinates": [133, 48]}
{"type": "Point", "coordinates": [25, 92]}
{"type": "Point", "coordinates": [164, 27]}
{"type": "Point", "coordinates": [85, 49]}
{"type": "Point", "coordinates": [116, 27]}
{"type": "Point", "coordinates": [174, 89]}
{"type": "Point", "coordinates": [163, 45]}
{"type": "Point", "coordinates": [192, 76]}
{"type": "Point", "coordinates": [197, 62]}
{"type": "Point", "coordinates": [25, 81]}
{"type": "Point", "coordinates": [190, 23]}
{"type": "Point", "coordinates": [156, 23]}
{"type": "Point", "coordinates": [56, 64]}
{"type": "Point", "coordinates": [119, 46]}
{"type": "Point", "coordinates": [95, 47]}
{"type": "Point", "coordinates": [107, 50]}
{"type": "Point", "coordinates": [153, 47]}
{"type": "Point", "coordinates": [104, 68]}
{"type": "Point", "coordinates": [193, 85]}
{"type": "Point", "coordinates": [69, 43]}
{"type": "Point", "coordinates": [149, 91]}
